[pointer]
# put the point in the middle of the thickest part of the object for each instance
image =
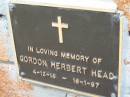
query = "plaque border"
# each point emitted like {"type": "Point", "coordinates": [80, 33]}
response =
{"type": "Point", "coordinates": [120, 68]}
{"type": "Point", "coordinates": [62, 6]}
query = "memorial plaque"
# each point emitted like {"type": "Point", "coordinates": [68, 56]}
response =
{"type": "Point", "coordinates": [66, 48]}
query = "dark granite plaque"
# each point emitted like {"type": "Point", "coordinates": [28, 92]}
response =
{"type": "Point", "coordinates": [77, 50]}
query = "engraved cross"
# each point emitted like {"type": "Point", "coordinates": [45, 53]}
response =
{"type": "Point", "coordinates": [60, 26]}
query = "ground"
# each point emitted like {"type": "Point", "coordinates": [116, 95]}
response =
{"type": "Point", "coordinates": [124, 5]}
{"type": "Point", "coordinates": [10, 86]}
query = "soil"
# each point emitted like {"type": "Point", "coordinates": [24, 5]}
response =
{"type": "Point", "coordinates": [12, 88]}
{"type": "Point", "coordinates": [124, 5]}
